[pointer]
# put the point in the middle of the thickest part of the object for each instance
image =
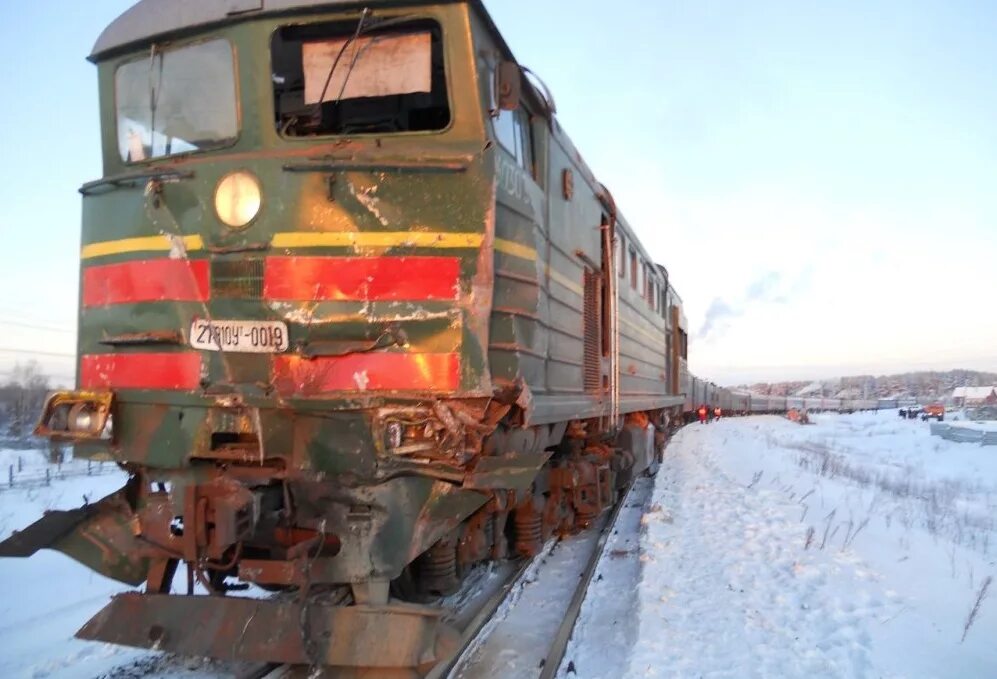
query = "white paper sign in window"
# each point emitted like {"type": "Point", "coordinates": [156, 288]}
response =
{"type": "Point", "coordinates": [376, 66]}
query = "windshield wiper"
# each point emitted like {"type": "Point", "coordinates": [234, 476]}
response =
{"type": "Point", "coordinates": [154, 95]}
{"type": "Point", "coordinates": [383, 23]}
{"type": "Point", "coordinates": [335, 62]}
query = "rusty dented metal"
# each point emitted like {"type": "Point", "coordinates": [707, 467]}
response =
{"type": "Point", "coordinates": [98, 535]}
{"type": "Point", "coordinates": [272, 631]}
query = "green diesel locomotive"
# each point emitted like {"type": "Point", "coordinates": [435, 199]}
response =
{"type": "Point", "coordinates": [354, 316]}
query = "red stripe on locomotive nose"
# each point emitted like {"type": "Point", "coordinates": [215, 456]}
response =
{"type": "Point", "coordinates": [170, 371]}
{"type": "Point", "coordinates": [149, 280]}
{"type": "Point", "coordinates": [361, 278]}
{"type": "Point", "coordinates": [295, 375]}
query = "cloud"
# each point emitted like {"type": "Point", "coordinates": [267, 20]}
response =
{"type": "Point", "coordinates": [766, 289]}
{"type": "Point", "coordinates": [718, 312]}
{"type": "Point", "coordinates": [763, 287]}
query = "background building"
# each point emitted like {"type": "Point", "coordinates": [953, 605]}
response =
{"type": "Point", "coordinates": [975, 396]}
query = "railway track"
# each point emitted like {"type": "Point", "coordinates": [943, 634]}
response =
{"type": "Point", "coordinates": [490, 609]}
{"type": "Point", "coordinates": [532, 638]}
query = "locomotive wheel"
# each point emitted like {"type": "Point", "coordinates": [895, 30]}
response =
{"type": "Point", "coordinates": [406, 588]}
{"type": "Point", "coordinates": [433, 574]}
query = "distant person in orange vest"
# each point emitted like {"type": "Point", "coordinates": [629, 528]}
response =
{"type": "Point", "coordinates": [702, 414]}
{"type": "Point", "coordinates": [717, 412]}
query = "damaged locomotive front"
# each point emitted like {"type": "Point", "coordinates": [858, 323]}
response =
{"type": "Point", "coordinates": [283, 288]}
{"type": "Point", "coordinates": [287, 338]}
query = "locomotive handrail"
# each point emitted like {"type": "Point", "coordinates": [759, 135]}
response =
{"type": "Point", "coordinates": [547, 95]}
{"type": "Point", "coordinates": [132, 178]}
{"type": "Point", "coordinates": [143, 338]}
{"type": "Point", "coordinates": [453, 164]}
{"type": "Point", "coordinates": [234, 249]}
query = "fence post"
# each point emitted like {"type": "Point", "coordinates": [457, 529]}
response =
{"type": "Point", "coordinates": [20, 464]}
{"type": "Point", "coordinates": [48, 477]}
{"type": "Point", "coordinates": [10, 476]}
{"type": "Point", "coordinates": [88, 467]}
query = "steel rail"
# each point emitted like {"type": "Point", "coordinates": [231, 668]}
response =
{"type": "Point", "coordinates": [560, 642]}
{"type": "Point", "coordinates": [477, 623]}
{"type": "Point", "coordinates": [263, 670]}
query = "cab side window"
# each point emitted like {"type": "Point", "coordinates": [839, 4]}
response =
{"type": "Point", "coordinates": [512, 129]}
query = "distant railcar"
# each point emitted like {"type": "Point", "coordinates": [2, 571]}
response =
{"type": "Point", "coordinates": [813, 404]}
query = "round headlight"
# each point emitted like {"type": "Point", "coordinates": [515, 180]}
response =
{"type": "Point", "coordinates": [82, 418]}
{"type": "Point", "coordinates": [238, 199]}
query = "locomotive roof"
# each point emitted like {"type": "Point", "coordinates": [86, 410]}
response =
{"type": "Point", "coordinates": [149, 19]}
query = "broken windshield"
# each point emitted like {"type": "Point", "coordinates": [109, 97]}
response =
{"type": "Point", "coordinates": [177, 101]}
{"type": "Point", "coordinates": [335, 79]}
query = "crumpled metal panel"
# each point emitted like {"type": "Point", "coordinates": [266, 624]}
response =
{"type": "Point", "coordinates": [97, 535]}
{"type": "Point", "coordinates": [512, 470]}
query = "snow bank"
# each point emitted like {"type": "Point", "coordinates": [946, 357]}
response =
{"type": "Point", "coordinates": [46, 598]}
{"type": "Point", "coordinates": [855, 547]}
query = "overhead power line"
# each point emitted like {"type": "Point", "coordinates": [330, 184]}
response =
{"type": "Point", "coordinates": [34, 326]}
{"type": "Point", "coordinates": [60, 354]}
{"type": "Point", "coordinates": [27, 315]}
{"type": "Point", "coordinates": [62, 376]}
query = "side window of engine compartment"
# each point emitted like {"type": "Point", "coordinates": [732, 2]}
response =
{"type": "Point", "coordinates": [513, 131]}
{"type": "Point", "coordinates": [326, 82]}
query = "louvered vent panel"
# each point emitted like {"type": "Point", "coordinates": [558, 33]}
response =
{"type": "Point", "coordinates": [591, 321]}
{"type": "Point", "coordinates": [237, 278]}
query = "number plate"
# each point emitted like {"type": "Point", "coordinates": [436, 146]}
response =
{"type": "Point", "coordinates": [255, 337]}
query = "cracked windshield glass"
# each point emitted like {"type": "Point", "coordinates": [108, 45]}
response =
{"type": "Point", "coordinates": [176, 101]}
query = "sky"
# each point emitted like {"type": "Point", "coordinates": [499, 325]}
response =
{"type": "Point", "coordinates": [817, 177]}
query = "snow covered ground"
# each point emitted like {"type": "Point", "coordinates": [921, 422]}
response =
{"type": "Point", "coordinates": [26, 463]}
{"type": "Point", "coordinates": [855, 547]}
{"type": "Point", "coordinates": [988, 425]}
{"type": "Point", "coordinates": [45, 599]}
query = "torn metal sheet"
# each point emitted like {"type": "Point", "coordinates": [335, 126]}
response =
{"type": "Point", "coordinates": [98, 535]}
